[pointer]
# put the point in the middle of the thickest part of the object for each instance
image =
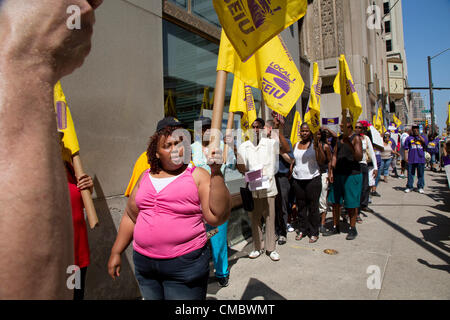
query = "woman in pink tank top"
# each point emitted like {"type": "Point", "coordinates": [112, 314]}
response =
{"type": "Point", "coordinates": [165, 216]}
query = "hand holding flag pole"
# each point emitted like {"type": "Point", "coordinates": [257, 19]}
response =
{"type": "Point", "coordinates": [85, 194]}
{"type": "Point", "coordinates": [216, 121]}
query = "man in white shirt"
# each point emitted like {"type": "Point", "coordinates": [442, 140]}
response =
{"type": "Point", "coordinates": [262, 152]}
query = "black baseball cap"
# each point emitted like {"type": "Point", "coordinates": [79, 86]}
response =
{"type": "Point", "coordinates": [169, 122]}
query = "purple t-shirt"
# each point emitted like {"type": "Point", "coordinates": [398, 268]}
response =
{"type": "Point", "coordinates": [416, 152]}
{"type": "Point", "coordinates": [446, 160]}
{"type": "Point", "coordinates": [433, 146]}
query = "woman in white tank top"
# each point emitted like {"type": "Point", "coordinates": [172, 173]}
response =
{"type": "Point", "coordinates": [307, 184]}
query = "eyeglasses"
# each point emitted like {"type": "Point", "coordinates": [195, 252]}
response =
{"type": "Point", "coordinates": [358, 127]}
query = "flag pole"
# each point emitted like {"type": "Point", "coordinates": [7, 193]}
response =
{"type": "Point", "coordinates": [219, 101]}
{"type": "Point", "coordinates": [229, 128]}
{"type": "Point", "coordinates": [85, 194]}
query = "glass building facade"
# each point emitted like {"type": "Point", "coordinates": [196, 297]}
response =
{"type": "Point", "coordinates": [189, 72]}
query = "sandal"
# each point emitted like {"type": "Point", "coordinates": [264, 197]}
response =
{"type": "Point", "coordinates": [313, 239]}
{"type": "Point", "coordinates": [299, 236]}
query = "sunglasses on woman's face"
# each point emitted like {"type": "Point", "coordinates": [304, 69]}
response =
{"type": "Point", "coordinates": [358, 127]}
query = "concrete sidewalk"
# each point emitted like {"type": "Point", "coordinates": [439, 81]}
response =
{"type": "Point", "coordinates": [405, 241]}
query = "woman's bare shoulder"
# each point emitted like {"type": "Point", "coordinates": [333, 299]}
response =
{"type": "Point", "coordinates": [200, 174]}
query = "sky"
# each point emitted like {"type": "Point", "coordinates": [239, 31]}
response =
{"type": "Point", "coordinates": [426, 27]}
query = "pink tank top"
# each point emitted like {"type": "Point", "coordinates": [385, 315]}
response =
{"type": "Point", "coordinates": [170, 222]}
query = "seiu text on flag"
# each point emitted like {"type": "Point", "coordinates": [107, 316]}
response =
{"type": "Point", "coordinates": [270, 69]}
{"type": "Point", "coordinates": [64, 120]}
{"type": "Point", "coordinates": [249, 24]}
{"type": "Point", "coordinates": [344, 85]}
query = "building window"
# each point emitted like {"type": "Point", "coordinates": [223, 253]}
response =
{"type": "Point", "coordinates": [189, 68]}
{"type": "Point", "coordinates": [388, 45]}
{"type": "Point", "coordinates": [181, 3]}
{"type": "Point", "coordinates": [387, 26]}
{"type": "Point", "coordinates": [189, 63]}
{"type": "Point", "coordinates": [201, 8]}
{"type": "Point", "coordinates": [386, 7]}
{"type": "Point", "coordinates": [205, 10]}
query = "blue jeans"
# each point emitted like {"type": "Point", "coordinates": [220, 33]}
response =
{"type": "Point", "coordinates": [383, 169]}
{"type": "Point", "coordinates": [420, 175]}
{"type": "Point", "coordinates": [433, 158]}
{"type": "Point", "coordinates": [219, 248]}
{"type": "Point", "coordinates": [181, 278]}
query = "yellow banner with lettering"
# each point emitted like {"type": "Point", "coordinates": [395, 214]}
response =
{"type": "Point", "coordinates": [250, 24]}
{"type": "Point", "coordinates": [242, 101]}
{"type": "Point", "coordinates": [271, 69]}
{"type": "Point", "coordinates": [397, 121]}
{"type": "Point", "coordinates": [312, 115]}
{"type": "Point", "coordinates": [64, 120]}
{"type": "Point", "coordinates": [344, 85]}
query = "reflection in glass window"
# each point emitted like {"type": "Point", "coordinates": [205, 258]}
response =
{"type": "Point", "coordinates": [205, 9]}
{"type": "Point", "coordinates": [181, 3]}
{"type": "Point", "coordinates": [190, 74]}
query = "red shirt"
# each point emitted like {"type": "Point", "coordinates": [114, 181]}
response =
{"type": "Point", "coordinates": [81, 245]}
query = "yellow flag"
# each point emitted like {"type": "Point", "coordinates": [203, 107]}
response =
{"type": "Point", "coordinates": [344, 85]}
{"type": "Point", "coordinates": [242, 101]}
{"type": "Point", "coordinates": [312, 115]}
{"type": "Point", "coordinates": [270, 69]}
{"type": "Point", "coordinates": [378, 121]}
{"type": "Point", "coordinates": [64, 120]}
{"type": "Point", "coordinates": [296, 125]}
{"type": "Point", "coordinates": [397, 121]}
{"type": "Point", "coordinates": [251, 23]}
{"type": "Point", "coordinates": [169, 106]}
{"type": "Point", "coordinates": [140, 166]}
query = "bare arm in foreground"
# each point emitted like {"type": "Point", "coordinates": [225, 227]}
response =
{"type": "Point", "coordinates": [36, 241]}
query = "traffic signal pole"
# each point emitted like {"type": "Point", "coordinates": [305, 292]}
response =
{"type": "Point", "coordinates": [431, 95]}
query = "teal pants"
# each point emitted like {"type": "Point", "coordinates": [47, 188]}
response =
{"type": "Point", "coordinates": [219, 248]}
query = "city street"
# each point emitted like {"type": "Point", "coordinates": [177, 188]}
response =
{"type": "Point", "coordinates": [405, 242]}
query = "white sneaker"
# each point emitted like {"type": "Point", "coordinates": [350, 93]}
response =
{"type": "Point", "coordinates": [421, 191]}
{"type": "Point", "coordinates": [289, 228]}
{"type": "Point", "coordinates": [407, 190]}
{"type": "Point", "coordinates": [274, 256]}
{"type": "Point", "coordinates": [254, 254]}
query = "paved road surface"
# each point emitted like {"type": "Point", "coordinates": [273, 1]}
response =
{"type": "Point", "coordinates": [406, 239]}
